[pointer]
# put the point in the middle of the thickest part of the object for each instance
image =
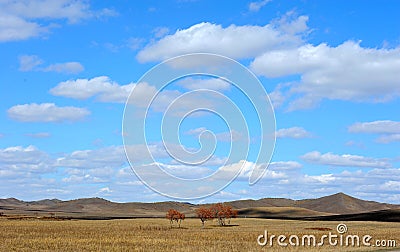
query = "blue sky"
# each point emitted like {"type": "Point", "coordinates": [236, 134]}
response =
{"type": "Point", "coordinates": [331, 69]}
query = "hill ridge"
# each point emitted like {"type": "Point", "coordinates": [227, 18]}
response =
{"type": "Point", "coordinates": [335, 204]}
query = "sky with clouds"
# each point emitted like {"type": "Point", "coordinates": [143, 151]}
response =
{"type": "Point", "coordinates": [330, 68]}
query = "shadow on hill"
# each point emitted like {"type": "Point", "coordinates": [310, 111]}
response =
{"type": "Point", "coordinates": [383, 215]}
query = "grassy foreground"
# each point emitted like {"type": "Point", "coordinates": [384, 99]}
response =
{"type": "Point", "coordinates": [156, 235]}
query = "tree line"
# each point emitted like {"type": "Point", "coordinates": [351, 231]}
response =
{"type": "Point", "coordinates": [219, 211]}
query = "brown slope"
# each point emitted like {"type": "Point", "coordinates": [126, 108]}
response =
{"type": "Point", "coordinates": [334, 204]}
{"type": "Point", "coordinates": [266, 202]}
{"type": "Point", "coordinates": [11, 202]}
{"type": "Point", "coordinates": [92, 207]}
{"type": "Point", "coordinates": [341, 203]}
{"type": "Point", "coordinates": [338, 203]}
{"type": "Point", "coordinates": [278, 212]}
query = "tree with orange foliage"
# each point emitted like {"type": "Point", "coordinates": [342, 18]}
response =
{"type": "Point", "coordinates": [181, 217]}
{"type": "Point", "coordinates": [230, 213]}
{"type": "Point", "coordinates": [204, 214]}
{"type": "Point", "coordinates": [222, 212]}
{"type": "Point", "coordinates": [174, 215]}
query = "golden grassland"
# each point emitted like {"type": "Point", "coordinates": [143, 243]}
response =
{"type": "Point", "coordinates": [157, 235]}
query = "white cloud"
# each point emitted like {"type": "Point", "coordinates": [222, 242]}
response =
{"type": "Point", "coordinates": [108, 157]}
{"type": "Point", "coordinates": [106, 90]}
{"type": "Point", "coordinates": [105, 190]}
{"type": "Point", "coordinates": [388, 138]}
{"type": "Point", "coordinates": [376, 127]}
{"type": "Point", "coordinates": [216, 84]}
{"type": "Point", "coordinates": [247, 168]}
{"type": "Point", "coordinates": [134, 43]}
{"type": "Point", "coordinates": [16, 160]}
{"type": "Point", "coordinates": [178, 103]}
{"type": "Point", "coordinates": [160, 32]}
{"type": "Point", "coordinates": [102, 87]}
{"type": "Point", "coordinates": [46, 112]}
{"type": "Point", "coordinates": [29, 62]}
{"type": "Point", "coordinates": [277, 97]}
{"type": "Point", "coordinates": [34, 63]}
{"type": "Point", "coordinates": [99, 172]}
{"type": "Point", "coordinates": [186, 171]}
{"type": "Point", "coordinates": [230, 136]}
{"type": "Point", "coordinates": [58, 9]}
{"type": "Point", "coordinates": [390, 130]}
{"type": "Point", "coordinates": [39, 135]}
{"type": "Point", "coordinates": [15, 28]}
{"type": "Point", "coordinates": [21, 20]}
{"type": "Point", "coordinates": [355, 144]}
{"type": "Point", "coordinates": [294, 132]}
{"type": "Point", "coordinates": [237, 42]}
{"type": "Point", "coordinates": [87, 179]}
{"type": "Point", "coordinates": [346, 72]}
{"type": "Point", "coordinates": [291, 24]}
{"type": "Point", "coordinates": [323, 178]}
{"type": "Point", "coordinates": [285, 165]}
{"type": "Point", "coordinates": [68, 67]}
{"type": "Point", "coordinates": [346, 160]}
{"type": "Point", "coordinates": [256, 6]}
{"type": "Point", "coordinates": [196, 131]}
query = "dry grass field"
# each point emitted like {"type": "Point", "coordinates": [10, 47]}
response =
{"type": "Point", "coordinates": [156, 235]}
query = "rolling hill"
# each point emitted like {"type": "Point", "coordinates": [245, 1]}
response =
{"type": "Point", "coordinates": [330, 207]}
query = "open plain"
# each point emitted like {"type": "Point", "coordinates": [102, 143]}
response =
{"type": "Point", "coordinates": [156, 234]}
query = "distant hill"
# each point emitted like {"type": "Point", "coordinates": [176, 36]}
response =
{"type": "Point", "coordinates": [327, 207]}
{"type": "Point", "coordinates": [341, 203]}
{"type": "Point", "coordinates": [279, 212]}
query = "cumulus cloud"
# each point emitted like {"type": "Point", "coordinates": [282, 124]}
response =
{"type": "Point", "coordinates": [277, 97]}
{"type": "Point", "coordinates": [105, 190]}
{"type": "Point", "coordinates": [68, 67]}
{"type": "Point", "coordinates": [285, 166]}
{"type": "Point", "coordinates": [389, 130]}
{"type": "Point", "coordinates": [345, 160]}
{"type": "Point", "coordinates": [106, 90]}
{"type": "Point", "coordinates": [34, 63]}
{"type": "Point", "coordinates": [291, 24]}
{"type": "Point", "coordinates": [246, 168]}
{"type": "Point", "coordinates": [322, 179]}
{"type": "Point", "coordinates": [256, 6]}
{"type": "Point", "coordinates": [103, 171]}
{"type": "Point", "coordinates": [39, 135]}
{"type": "Point", "coordinates": [346, 72]}
{"type": "Point", "coordinates": [388, 138]}
{"type": "Point", "coordinates": [17, 159]}
{"type": "Point", "coordinates": [112, 156]}
{"type": "Point", "coordinates": [16, 28]}
{"type": "Point", "coordinates": [230, 136]}
{"type": "Point", "coordinates": [101, 87]}
{"type": "Point", "coordinates": [216, 84]}
{"type": "Point", "coordinates": [160, 32]}
{"type": "Point", "coordinates": [46, 112]}
{"type": "Point", "coordinates": [21, 20]}
{"type": "Point", "coordinates": [293, 132]}
{"type": "Point", "coordinates": [238, 42]}
{"type": "Point", "coordinates": [178, 103]}
{"type": "Point", "coordinates": [376, 127]}
{"type": "Point", "coordinates": [29, 62]}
